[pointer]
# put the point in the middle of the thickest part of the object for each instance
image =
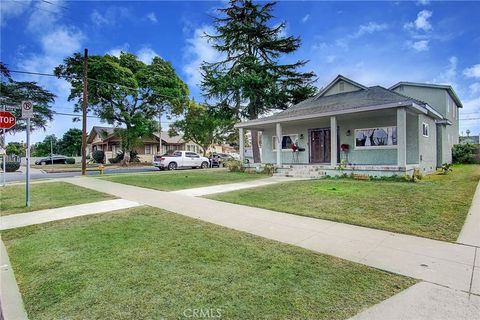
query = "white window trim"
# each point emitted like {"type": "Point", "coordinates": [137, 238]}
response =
{"type": "Point", "coordinates": [274, 145]}
{"type": "Point", "coordinates": [355, 147]}
{"type": "Point", "coordinates": [150, 151]}
{"type": "Point", "coordinates": [425, 125]}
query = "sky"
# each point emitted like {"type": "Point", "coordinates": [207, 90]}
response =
{"type": "Point", "coordinates": [373, 43]}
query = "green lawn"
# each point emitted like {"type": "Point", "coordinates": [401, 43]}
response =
{"type": "Point", "coordinates": [146, 263]}
{"type": "Point", "coordinates": [182, 179]}
{"type": "Point", "coordinates": [435, 207]}
{"type": "Point", "coordinates": [46, 196]}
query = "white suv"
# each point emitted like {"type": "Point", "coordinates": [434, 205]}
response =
{"type": "Point", "coordinates": [180, 159]}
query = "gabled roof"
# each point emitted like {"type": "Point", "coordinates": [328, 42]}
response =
{"type": "Point", "coordinates": [371, 98]}
{"type": "Point", "coordinates": [170, 140]}
{"type": "Point", "coordinates": [449, 89]}
{"type": "Point", "coordinates": [335, 81]}
{"type": "Point", "coordinates": [106, 133]}
{"type": "Point", "coordinates": [103, 132]}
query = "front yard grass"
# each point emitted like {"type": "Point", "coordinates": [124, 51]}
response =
{"type": "Point", "coordinates": [146, 263]}
{"type": "Point", "coordinates": [435, 207]}
{"type": "Point", "coordinates": [46, 196]}
{"type": "Point", "coordinates": [182, 179]}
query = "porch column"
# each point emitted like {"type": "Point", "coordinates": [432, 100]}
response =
{"type": "Point", "coordinates": [401, 137]}
{"type": "Point", "coordinates": [242, 145]}
{"type": "Point", "coordinates": [333, 141]}
{"type": "Point", "coordinates": [279, 144]}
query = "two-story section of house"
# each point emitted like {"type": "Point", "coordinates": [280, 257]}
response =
{"type": "Point", "coordinates": [445, 101]}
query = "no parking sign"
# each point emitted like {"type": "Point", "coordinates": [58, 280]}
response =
{"type": "Point", "coordinates": [27, 109]}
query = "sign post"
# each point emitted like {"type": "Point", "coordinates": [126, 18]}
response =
{"type": "Point", "coordinates": [27, 113]}
{"type": "Point", "coordinates": [7, 120]}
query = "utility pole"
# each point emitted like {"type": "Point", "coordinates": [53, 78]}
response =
{"type": "Point", "coordinates": [159, 131]}
{"type": "Point", "coordinates": [84, 113]}
{"type": "Point", "coordinates": [51, 150]}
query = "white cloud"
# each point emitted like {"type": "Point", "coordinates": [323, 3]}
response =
{"type": "Point", "coordinates": [474, 88]}
{"type": "Point", "coordinates": [111, 16]}
{"type": "Point", "coordinates": [449, 74]}
{"type": "Point", "coordinates": [305, 18]}
{"type": "Point", "coordinates": [12, 9]}
{"type": "Point", "coordinates": [421, 23]}
{"type": "Point", "coordinates": [423, 2]}
{"type": "Point", "coordinates": [421, 45]}
{"type": "Point", "coordinates": [152, 17]}
{"type": "Point", "coordinates": [198, 50]}
{"type": "Point", "coordinates": [371, 27]}
{"type": "Point", "coordinates": [146, 55]}
{"type": "Point", "coordinates": [473, 71]}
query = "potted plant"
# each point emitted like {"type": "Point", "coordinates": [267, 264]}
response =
{"type": "Point", "coordinates": [344, 147]}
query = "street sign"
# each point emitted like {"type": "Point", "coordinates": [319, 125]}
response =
{"type": "Point", "coordinates": [27, 109]}
{"type": "Point", "coordinates": [7, 120]}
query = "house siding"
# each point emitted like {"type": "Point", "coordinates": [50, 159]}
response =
{"type": "Point", "coordinates": [427, 145]}
{"type": "Point", "coordinates": [347, 87]}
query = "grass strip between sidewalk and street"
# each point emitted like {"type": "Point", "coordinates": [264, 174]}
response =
{"type": "Point", "coordinates": [146, 263]}
{"type": "Point", "coordinates": [47, 195]}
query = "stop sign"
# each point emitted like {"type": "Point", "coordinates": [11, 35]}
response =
{"type": "Point", "coordinates": [7, 120]}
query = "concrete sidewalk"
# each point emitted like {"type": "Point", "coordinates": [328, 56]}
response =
{"type": "Point", "coordinates": [425, 301]}
{"type": "Point", "coordinates": [470, 233]}
{"type": "Point", "coordinates": [203, 191]}
{"type": "Point", "coordinates": [447, 264]}
{"type": "Point", "coordinates": [42, 216]}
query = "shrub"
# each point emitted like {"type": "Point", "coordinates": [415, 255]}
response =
{"type": "Point", "coordinates": [464, 153]}
{"type": "Point", "coordinates": [234, 166]}
{"type": "Point", "coordinates": [446, 168]}
{"type": "Point", "coordinates": [70, 161]}
{"type": "Point", "coordinates": [11, 166]}
{"type": "Point", "coordinates": [98, 156]}
{"type": "Point", "coordinates": [269, 169]}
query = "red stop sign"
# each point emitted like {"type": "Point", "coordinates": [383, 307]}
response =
{"type": "Point", "coordinates": [7, 120]}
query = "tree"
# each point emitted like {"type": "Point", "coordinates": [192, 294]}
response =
{"type": "Point", "coordinates": [44, 148]}
{"type": "Point", "coordinates": [204, 125]}
{"type": "Point", "coordinates": [250, 76]}
{"type": "Point", "coordinates": [16, 148]}
{"type": "Point", "coordinates": [12, 93]}
{"type": "Point", "coordinates": [71, 143]}
{"type": "Point", "coordinates": [125, 92]}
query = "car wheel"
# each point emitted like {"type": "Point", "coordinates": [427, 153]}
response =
{"type": "Point", "coordinates": [172, 166]}
{"type": "Point", "coordinates": [43, 163]}
{"type": "Point", "coordinates": [204, 165]}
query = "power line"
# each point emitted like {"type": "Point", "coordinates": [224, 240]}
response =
{"type": "Point", "coordinates": [90, 79]}
{"type": "Point", "coordinates": [471, 119]}
{"type": "Point", "coordinates": [55, 4]}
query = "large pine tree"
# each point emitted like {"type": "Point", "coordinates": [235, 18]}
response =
{"type": "Point", "coordinates": [251, 77]}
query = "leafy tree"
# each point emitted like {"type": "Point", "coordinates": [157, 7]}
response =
{"type": "Point", "coordinates": [71, 143]}
{"type": "Point", "coordinates": [250, 76]}
{"type": "Point", "coordinates": [125, 92]}
{"type": "Point", "coordinates": [43, 149]}
{"type": "Point", "coordinates": [12, 93]}
{"type": "Point", "coordinates": [204, 125]}
{"type": "Point", "coordinates": [16, 148]}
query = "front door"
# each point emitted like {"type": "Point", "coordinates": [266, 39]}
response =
{"type": "Point", "coordinates": [320, 145]}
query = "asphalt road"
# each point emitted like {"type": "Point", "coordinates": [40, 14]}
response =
{"type": "Point", "coordinates": [36, 174]}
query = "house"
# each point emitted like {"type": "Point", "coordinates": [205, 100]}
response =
{"type": "Point", "coordinates": [105, 139]}
{"type": "Point", "coordinates": [470, 139]}
{"type": "Point", "coordinates": [349, 127]}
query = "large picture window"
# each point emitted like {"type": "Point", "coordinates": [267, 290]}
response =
{"type": "Point", "coordinates": [376, 137]}
{"type": "Point", "coordinates": [287, 141]}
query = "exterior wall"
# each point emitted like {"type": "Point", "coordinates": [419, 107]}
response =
{"type": "Point", "coordinates": [445, 152]}
{"type": "Point", "coordinates": [387, 156]}
{"type": "Point", "coordinates": [335, 89]}
{"type": "Point", "coordinates": [427, 145]}
{"type": "Point", "coordinates": [435, 97]}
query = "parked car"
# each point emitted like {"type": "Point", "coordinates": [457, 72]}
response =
{"type": "Point", "coordinates": [180, 159]}
{"type": "Point", "coordinates": [218, 159]}
{"type": "Point", "coordinates": [57, 159]}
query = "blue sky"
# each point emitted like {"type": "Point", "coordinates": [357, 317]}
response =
{"type": "Point", "coordinates": [374, 43]}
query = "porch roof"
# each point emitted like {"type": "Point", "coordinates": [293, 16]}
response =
{"type": "Point", "coordinates": [371, 98]}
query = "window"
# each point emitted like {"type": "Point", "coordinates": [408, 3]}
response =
{"type": "Point", "coordinates": [425, 129]}
{"type": "Point", "coordinates": [287, 141]}
{"type": "Point", "coordinates": [191, 155]}
{"type": "Point", "coordinates": [376, 137]}
{"type": "Point", "coordinates": [148, 149]}
{"type": "Point", "coordinates": [177, 154]}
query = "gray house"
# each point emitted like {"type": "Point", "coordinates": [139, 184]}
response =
{"type": "Point", "coordinates": [367, 130]}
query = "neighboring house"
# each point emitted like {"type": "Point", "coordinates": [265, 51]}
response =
{"type": "Point", "coordinates": [369, 130]}
{"type": "Point", "coordinates": [470, 139]}
{"type": "Point", "coordinates": [104, 138]}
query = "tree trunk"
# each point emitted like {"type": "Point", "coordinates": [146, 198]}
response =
{"type": "Point", "coordinates": [255, 147]}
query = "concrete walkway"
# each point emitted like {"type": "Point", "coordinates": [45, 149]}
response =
{"type": "Point", "coordinates": [425, 301]}
{"type": "Point", "coordinates": [447, 264]}
{"type": "Point", "coordinates": [203, 191]}
{"type": "Point", "coordinates": [470, 233]}
{"type": "Point", "coordinates": [42, 216]}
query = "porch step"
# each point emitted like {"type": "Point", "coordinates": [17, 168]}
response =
{"type": "Point", "coordinates": [308, 172]}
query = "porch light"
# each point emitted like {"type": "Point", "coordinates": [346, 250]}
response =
{"type": "Point", "coordinates": [301, 136]}
{"type": "Point", "coordinates": [349, 132]}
